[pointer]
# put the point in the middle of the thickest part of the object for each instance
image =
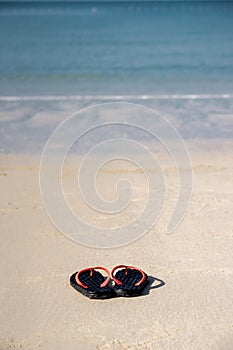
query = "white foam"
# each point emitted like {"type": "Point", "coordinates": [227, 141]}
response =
{"type": "Point", "coordinates": [115, 97]}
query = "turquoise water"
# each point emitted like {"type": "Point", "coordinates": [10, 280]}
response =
{"type": "Point", "coordinates": [63, 48]}
{"type": "Point", "coordinates": [176, 57]}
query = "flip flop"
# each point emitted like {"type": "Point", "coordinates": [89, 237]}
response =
{"type": "Point", "coordinates": [92, 283]}
{"type": "Point", "coordinates": [129, 281]}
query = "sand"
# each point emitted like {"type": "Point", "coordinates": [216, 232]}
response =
{"type": "Point", "coordinates": [188, 306]}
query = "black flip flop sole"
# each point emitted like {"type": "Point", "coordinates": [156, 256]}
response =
{"type": "Point", "coordinates": [94, 291]}
{"type": "Point", "coordinates": [128, 288]}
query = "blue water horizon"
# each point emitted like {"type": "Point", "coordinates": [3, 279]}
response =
{"type": "Point", "coordinates": [130, 47]}
{"type": "Point", "coordinates": [59, 57]}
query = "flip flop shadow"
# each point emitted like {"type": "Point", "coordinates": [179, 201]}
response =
{"type": "Point", "coordinates": [149, 286]}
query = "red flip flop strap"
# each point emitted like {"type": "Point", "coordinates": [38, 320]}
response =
{"type": "Point", "coordinates": [104, 284]}
{"type": "Point", "coordinates": [126, 272]}
{"type": "Point", "coordinates": [113, 277]}
{"type": "Point", "coordinates": [143, 275]}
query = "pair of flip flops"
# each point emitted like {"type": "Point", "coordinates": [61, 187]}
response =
{"type": "Point", "coordinates": [127, 281]}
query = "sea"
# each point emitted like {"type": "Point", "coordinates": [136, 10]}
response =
{"type": "Point", "coordinates": [60, 57]}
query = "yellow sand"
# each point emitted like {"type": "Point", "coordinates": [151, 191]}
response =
{"type": "Point", "coordinates": [193, 310]}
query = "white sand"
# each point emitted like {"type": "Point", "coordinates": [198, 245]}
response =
{"type": "Point", "coordinates": [193, 310]}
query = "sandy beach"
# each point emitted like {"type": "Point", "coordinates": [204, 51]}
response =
{"type": "Point", "coordinates": [135, 88]}
{"type": "Point", "coordinates": [188, 305]}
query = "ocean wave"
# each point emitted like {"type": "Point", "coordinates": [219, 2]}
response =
{"type": "Point", "coordinates": [115, 97]}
